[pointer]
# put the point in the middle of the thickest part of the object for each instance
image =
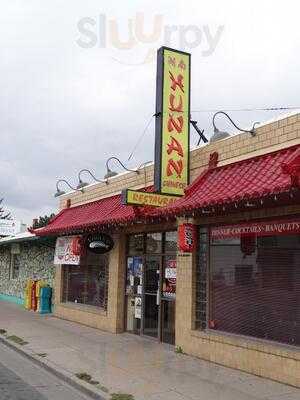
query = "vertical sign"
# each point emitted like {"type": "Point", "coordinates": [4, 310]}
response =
{"type": "Point", "coordinates": [172, 127]}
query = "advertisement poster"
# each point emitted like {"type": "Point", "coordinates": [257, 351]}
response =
{"type": "Point", "coordinates": [9, 227]}
{"type": "Point", "coordinates": [64, 251]}
{"type": "Point", "coordinates": [138, 307]}
{"type": "Point", "coordinates": [137, 266]}
{"type": "Point", "coordinates": [129, 266]}
{"type": "Point", "coordinates": [169, 284]}
{"type": "Point", "coordinates": [134, 266]}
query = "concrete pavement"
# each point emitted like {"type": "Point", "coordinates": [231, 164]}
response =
{"type": "Point", "coordinates": [20, 379]}
{"type": "Point", "coordinates": [131, 364]}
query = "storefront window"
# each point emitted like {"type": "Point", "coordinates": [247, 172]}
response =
{"type": "Point", "coordinates": [15, 266]}
{"type": "Point", "coordinates": [171, 242]}
{"type": "Point", "coordinates": [254, 287]}
{"type": "Point", "coordinates": [136, 244]}
{"type": "Point", "coordinates": [201, 279]}
{"type": "Point", "coordinates": [88, 283]}
{"type": "Point", "coordinates": [153, 243]}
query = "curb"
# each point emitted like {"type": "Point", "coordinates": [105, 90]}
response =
{"type": "Point", "coordinates": [67, 378]}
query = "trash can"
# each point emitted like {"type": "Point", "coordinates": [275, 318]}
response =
{"type": "Point", "coordinates": [45, 300]}
{"type": "Point", "coordinates": [39, 285]}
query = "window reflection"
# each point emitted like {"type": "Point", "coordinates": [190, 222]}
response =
{"type": "Point", "coordinates": [171, 242]}
{"type": "Point", "coordinates": [153, 243]}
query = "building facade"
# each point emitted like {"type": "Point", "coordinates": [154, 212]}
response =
{"type": "Point", "coordinates": [234, 299]}
{"type": "Point", "coordinates": [22, 258]}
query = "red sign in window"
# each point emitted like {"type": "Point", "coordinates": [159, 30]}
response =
{"type": "Point", "coordinates": [187, 238]}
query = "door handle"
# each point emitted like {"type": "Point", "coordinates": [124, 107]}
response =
{"type": "Point", "coordinates": [157, 297]}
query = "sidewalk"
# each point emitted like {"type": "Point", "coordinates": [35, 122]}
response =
{"type": "Point", "coordinates": [131, 364]}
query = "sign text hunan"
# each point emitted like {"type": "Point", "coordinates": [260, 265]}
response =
{"type": "Point", "coordinates": [172, 121]}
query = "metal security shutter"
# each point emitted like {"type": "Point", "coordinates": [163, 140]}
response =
{"type": "Point", "coordinates": [257, 294]}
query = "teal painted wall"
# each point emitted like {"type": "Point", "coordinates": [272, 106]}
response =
{"type": "Point", "coordinates": [12, 299]}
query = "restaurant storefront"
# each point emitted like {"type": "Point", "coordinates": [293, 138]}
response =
{"type": "Point", "coordinates": [233, 299]}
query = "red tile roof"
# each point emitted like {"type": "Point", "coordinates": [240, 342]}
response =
{"type": "Point", "coordinates": [102, 212]}
{"type": "Point", "coordinates": [246, 180]}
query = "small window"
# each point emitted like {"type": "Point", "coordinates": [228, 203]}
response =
{"type": "Point", "coordinates": [15, 266]}
{"type": "Point", "coordinates": [153, 243]}
{"type": "Point", "coordinates": [136, 244]}
{"type": "Point", "coordinates": [171, 242]}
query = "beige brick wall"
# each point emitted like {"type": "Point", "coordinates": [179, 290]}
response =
{"type": "Point", "coordinates": [270, 137]}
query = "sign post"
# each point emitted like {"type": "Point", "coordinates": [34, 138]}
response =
{"type": "Point", "coordinates": [172, 131]}
{"type": "Point", "coordinates": [172, 128]}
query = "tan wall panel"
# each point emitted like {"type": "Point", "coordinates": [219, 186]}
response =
{"type": "Point", "coordinates": [270, 137]}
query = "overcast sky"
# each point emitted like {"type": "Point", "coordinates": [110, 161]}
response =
{"type": "Point", "coordinates": [77, 80]}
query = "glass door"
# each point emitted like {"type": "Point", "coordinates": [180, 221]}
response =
{"type": "Point", "coordinates": [134, 294]}
{"type": "Point", "coordinates": [151, 285]}
{"type": "Point", "coordinates": [151, 296]}
{"type": "Point", "coordinates": [168, 299]}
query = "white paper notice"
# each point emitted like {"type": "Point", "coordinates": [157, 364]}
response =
{"type": "Point", "coordinates": [64, 251]}
{"type": "Point", "coordinates": [138, 307]}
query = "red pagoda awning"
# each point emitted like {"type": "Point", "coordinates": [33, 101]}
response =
{"type": "Point", "coordinates": [257, 178]}
{"type": "Point", "coordinates": [104, 212]}
{"type": "Point", "coordinates": [248, 180]}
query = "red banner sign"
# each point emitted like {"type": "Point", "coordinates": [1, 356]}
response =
{"type": "Point", "coordinates": [187, 237]}
{"type": "Point", "coordinates": [267, 228]}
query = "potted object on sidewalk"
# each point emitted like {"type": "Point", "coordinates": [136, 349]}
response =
{"type": "Point", "coordinates": [45, 300]}
{"type": "Point", "coordinates": [39, 285]}
{"type": "Point", "coordinates": [27, 297]}
{"type": "Point", "coordinates": [33, 296]}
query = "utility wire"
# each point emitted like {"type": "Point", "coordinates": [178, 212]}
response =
{"type": "Point", "coordinates": [140, 138]}
{"type": "Point", "coordinates": [209, 110]}
{"type": "Point", "coordinates": [247, 109]}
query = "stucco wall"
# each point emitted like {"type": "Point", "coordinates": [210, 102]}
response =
{"type": "Point", "coordinates": [36, 260]}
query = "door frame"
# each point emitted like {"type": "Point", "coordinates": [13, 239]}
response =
{"type": "Point", "coordinates": [143, 255]}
